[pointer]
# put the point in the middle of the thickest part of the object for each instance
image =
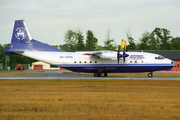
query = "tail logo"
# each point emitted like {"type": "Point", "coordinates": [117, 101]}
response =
{"type": "Point", "coordinates": [21, 33]}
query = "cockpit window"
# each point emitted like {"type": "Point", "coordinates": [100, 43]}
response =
{"type": "Point", "coordinates": [159, 57]}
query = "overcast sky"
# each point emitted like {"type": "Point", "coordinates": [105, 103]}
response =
{"type": "Point", "coordinates": [48, 20]}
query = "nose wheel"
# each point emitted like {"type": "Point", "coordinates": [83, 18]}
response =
{"type": "Point", "coordinates": [103, 74]}
{"type": "Point", "coordinates": [150, 74]}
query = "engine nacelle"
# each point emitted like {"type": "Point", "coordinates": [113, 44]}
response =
{"type": "Point", "coordinates": [108, 55]}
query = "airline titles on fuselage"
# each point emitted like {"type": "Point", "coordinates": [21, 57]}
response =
{"type": "Point", "coordinates": [137, 57]}
{"type": "Point", "coordinates": [66, 57]}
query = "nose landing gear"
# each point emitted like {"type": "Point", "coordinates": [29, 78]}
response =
{"type": "Point", "coordinates": [103, 74]}
{"type": "Point", "coordinates": [150, 74]}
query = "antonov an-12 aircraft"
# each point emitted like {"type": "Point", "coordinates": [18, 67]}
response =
{"type": "Point", "coordinates": [98, 62]}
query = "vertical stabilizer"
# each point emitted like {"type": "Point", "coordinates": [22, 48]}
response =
{"type": "Point", "coordinates": [22, 41]}
{"type": "Point", "coordinates": [21, 33]}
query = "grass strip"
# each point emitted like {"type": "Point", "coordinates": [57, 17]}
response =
{"type": "Point", "coordinates": [86, 99]}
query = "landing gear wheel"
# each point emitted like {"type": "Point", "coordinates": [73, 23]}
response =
{"type": "Point", "coordinates": [150, 75]}
{"type": "Point", "coordinates": [96, 74]}
{"type": "Point", "coordinates": [103, 74]}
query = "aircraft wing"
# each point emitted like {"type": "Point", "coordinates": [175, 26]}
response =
{"type": "Point", "coordinates": [102, 54]}
{"type": "Point", "coordinates": [95, 53]}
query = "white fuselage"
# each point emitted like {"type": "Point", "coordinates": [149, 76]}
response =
{"type": "Point", "coordinates": [105, 59]}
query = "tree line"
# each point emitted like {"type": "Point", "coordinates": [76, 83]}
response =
{"type": "Point", "coordinates": [158, 39]}
{"type": "Point", "coordinates": [75, 41]}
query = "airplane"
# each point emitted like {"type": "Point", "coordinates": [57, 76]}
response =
{"type": "Point", "coordinates": [98, 62]}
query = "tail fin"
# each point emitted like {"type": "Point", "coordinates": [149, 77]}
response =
{"type": "Point", "coordinates": [22, 41]}
{"type": "Point", "coordinates": [21, 33]}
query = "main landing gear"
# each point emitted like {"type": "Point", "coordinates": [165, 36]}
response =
{"type": "Point", "coordinates": [100, 74]}
{"type": "Point", "coordinates": [150, 74]}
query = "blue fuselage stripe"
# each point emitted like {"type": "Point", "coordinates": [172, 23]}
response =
{"type": "Point", "coordinates": [115, 68]}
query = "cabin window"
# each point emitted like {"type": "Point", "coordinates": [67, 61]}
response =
{"type": "Point", "coordinates": [90, 61]}
{"type": "Point", "coordinates": [84, 61]}
{"type": "Point", "coordinates": [177, 65]}
{"type": "Point", "coordinates": [95, 61]}
{"type": "Point", "coordinates": [130, 61]}
{"type": "Point", "coordinates": [74, 61]}
{"type": "Point", "coordinates": [79, 61]}
{"type": "Point", "coordinates": [142, 61]}
{"type": "Point", "coordinates": [135, 61]}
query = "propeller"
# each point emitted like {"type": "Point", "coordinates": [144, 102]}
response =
{"type": "Point", "coordinates": [124, 55]}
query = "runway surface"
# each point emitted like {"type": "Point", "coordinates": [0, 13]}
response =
{"type": "Point", "coordinates": [53, 74]}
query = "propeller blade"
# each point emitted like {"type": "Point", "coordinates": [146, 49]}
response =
{"type": "Point", "coordinates": [124, 51]}
{"type": "Point", "coordinates": [118, 54]}
{"type": "Point", "coordinates": [118, 49]}
{"type": "Point", "coordinates": [123, 55]}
